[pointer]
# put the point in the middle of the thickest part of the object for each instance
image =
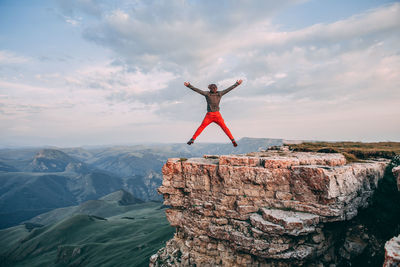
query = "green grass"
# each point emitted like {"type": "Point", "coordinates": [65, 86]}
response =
{"type": "Point", "coordinates": [353, 151]}
{"type": "Point", "coordinates": [116, 241]}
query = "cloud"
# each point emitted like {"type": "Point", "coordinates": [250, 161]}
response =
{"type": "Point", "coordinates": [8, 57]}
{"type": "Point", "coordinates": [182, 34]}
{"type": "Point", "coordinates": [339, 60]}
{"type": "Point", "coordinates": [297, 84]}
{"type": "Point", "coordinates": [210, 41]}
{"type": "Point", "coordinates": [267, 80]}
{"type": "Point", "coordinates": [105, 76]}
{"type": "Point", "coordinates": [176, 34]}
{"type": "Point", "coordinates": [91, 98]}
{"type": "Point", "coordinates": [73, 22]}
{"type": "Point", "coordinates": [51, 112]}
{"type": "Point", "coordinates": [375, 21]}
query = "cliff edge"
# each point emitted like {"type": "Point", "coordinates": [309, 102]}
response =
{"type": "Point", "coordinates": [392, 247]}
{"type": "Point", "coordinates": [273, 208]}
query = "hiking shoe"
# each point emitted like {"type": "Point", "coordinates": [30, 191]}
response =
{"type": "Point", "coordinates": [234, 143]}
{"type": "Point", "coordinates": [190, 141]}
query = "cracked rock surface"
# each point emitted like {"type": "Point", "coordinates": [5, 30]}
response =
{"type": "Point", "coordinates": [273, 208]}
{"type": "Point", "coordinates": [392, 252]}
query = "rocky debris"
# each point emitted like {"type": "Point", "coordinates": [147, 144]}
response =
{"type": "Point", "coordinates": [392, 252]}
{"type": "Point", "coordinates": [396, 174]}
{"type": "Point", "coordinates": [355, 241]}
{"type": "Point", "coordinates": [281, 148]}
{"type": "Point", "coordinates": [274, 207]}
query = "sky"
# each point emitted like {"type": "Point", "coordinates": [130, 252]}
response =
{"type": "Point", "coordinates": [95, 72]}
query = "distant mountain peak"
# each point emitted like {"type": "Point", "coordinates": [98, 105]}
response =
{"type": "Point", "coordinates": [51, 153]}
{"type": "Point", "coordinates": [53, 160]}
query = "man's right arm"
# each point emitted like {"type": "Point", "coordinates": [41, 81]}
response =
{"type": "Point", "coordinates": [195, 89]}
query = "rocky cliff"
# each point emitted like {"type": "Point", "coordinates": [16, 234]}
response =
{"type": "Point", "coordinates": [270, 208]}
{"type": "Point", "coordinates": [396, 174]}
{"type": "Point", "coordinates": [392, 247]}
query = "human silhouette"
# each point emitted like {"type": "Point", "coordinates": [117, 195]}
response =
{"type": "Point", "coordinates": [213, 98]}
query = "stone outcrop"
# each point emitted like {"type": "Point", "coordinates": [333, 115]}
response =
{"type": "Point", "coordinates": [392, 252]}
{"type": "Point", "coordinates": [392, 247]}
{"type": "Point", "coordinates": [274, 208]}
{"type": "Point", "coordinates": [396, 174]}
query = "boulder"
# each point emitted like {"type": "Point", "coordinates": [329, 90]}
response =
{"type": "Point", "coordinates": [392, 252]}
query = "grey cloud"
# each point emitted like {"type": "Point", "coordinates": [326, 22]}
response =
{"type": "Point", "coordinates": [210, 41]}
{"type": "Point", "coordinates": [189, 37]}
{"type": "Point", "coordinates": [175, 34]}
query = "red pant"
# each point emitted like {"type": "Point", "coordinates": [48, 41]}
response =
{"type": "Point", "coordinates": [213, 117]}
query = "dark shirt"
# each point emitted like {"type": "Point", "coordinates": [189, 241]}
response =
{"type": "Point", "coordinates": [213, 99]}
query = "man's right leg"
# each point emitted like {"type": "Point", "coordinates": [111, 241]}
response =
{"type": "Point", "coordinates": [206, 121]}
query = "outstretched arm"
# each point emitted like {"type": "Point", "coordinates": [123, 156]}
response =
{"type": "Point", "coordinates": [187, 84]}
{"type": "Point", "coordinates": [231, 87]}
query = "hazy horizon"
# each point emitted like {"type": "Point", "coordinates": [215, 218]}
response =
{"type": "Point", "coordinates": [100, 72]}
{"type": "Point", "coordinates": [28, 146]}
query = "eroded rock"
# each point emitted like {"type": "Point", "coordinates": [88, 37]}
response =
{"type": "Point", "coordinates": [392, 252]}
{"type": "Point", "coordinates": [267, 208]}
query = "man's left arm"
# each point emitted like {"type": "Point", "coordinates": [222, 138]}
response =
{"type": "Point", "coordinates": [237, 83]}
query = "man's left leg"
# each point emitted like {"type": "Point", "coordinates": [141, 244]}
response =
{"type": "Point", "coordinates": [220, 121]}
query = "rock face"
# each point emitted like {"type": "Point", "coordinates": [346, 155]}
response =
{"type": "Point", "coordinates": [274, 208]}
{"type": "Point", "coordinates": [396, 174]}
{"type": "Point", "coordinates": [392, 247]}
{"type": "Point", "coordinates": [392, 252]}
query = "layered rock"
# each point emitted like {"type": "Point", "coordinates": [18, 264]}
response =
{"type": "Point", "coordinates": [392, 252]}
{"type": "Point", "coordinates": [392, 247]}
{"type": "Point", "coordinates": [271, 208]}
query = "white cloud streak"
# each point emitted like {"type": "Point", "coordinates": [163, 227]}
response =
{"type": "Point", "coordinates": [8, 57]}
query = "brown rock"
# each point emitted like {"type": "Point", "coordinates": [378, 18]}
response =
{"type": "Point", "coordinates": [290, 219]}
{"type": "Point", "coordinates": [262, 209]}
{"type": "Point", "coordinates": [175, 217]}
{"type": "Point", "coordinates": [283, 195]}
{"type": "Point", "coordinates": [247, 209]}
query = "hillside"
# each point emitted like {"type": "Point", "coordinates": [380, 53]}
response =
{"type": "Point", "coordinates": [124, 239]}
{"type": "Point", "coordinates": [112, 204]}
{"type": "Point", "coordinates": [51, 179]}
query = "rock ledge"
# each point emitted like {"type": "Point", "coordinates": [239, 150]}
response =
{"type": "Point", "coordinates": [269, 208]}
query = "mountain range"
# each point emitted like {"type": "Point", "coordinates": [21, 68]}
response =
{"type": "Point", "coordinates": [115, 230]}
{"type": "Point", "coordinates": [38, 180]}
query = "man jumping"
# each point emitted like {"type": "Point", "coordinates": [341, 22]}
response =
{"type": "Point", "coordinates": [213, 98]}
